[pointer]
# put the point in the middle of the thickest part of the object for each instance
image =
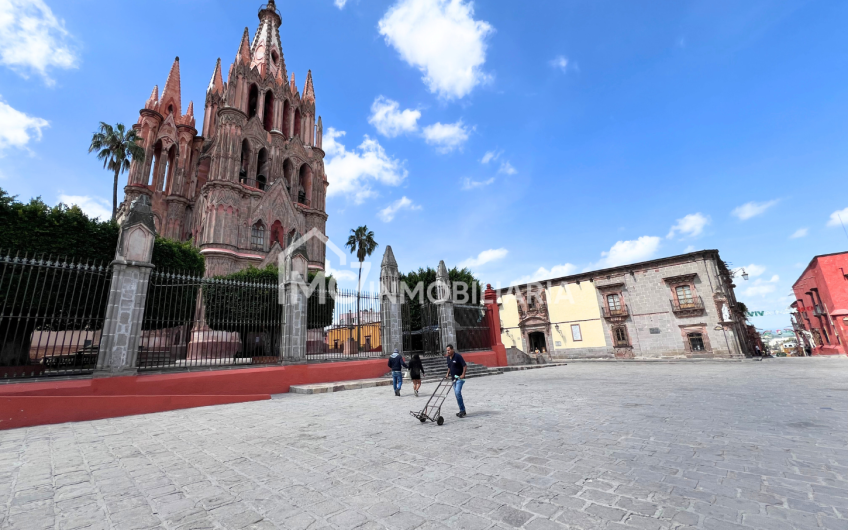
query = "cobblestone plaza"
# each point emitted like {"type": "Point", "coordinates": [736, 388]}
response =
{"type": "Point", "coordinates": [711, 445]}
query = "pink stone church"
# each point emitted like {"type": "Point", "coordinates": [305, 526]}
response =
{"type": "Point", "coordinates": [255, 176]}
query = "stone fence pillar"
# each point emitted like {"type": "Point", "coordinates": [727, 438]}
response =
{"type": "Point", "coordinates": [295, 305]}
{"type": "Point", "coordinates": [490, 301]}
{"type": "Point", "coordinates": [130, 275]}
{"type": "Point", "coordinates": [447, 326]}
{"type": "Point", "coordinates": [391, 327]}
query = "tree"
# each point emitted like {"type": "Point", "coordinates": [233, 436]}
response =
{"type": "Point", "coordinates": [117, 148]}
{"type": "Point", "coordinates": [45, 294]}
{"type": "Point", "coordinates": [361, 242]}
{"type": "Point", "coordinates": [427, 277]}
{"type": "Point", "coordinates": [247, 302]}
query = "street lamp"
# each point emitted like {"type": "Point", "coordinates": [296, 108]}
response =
{"type": "Point", "coordinates": [734, 272]}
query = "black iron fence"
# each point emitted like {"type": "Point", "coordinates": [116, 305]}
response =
{"type": "Point", "coordinates": [420, 324]}
{"type": "Point", "coordinates": [471, 327]}
{"type": "Point", "coordinates": [346, 324]}
{"type": "Point", "coordinates": [51, 314]}
{"type": "Point", "coordinates": [191, 321]}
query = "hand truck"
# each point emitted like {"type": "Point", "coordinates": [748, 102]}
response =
{"type": "Point", "coordinates": [433, 409]}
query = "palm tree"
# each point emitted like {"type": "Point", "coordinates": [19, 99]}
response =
{"type": "Point", "coordinates": [361, 242]}
{"type": "Point", "coordinates": [117, 148]}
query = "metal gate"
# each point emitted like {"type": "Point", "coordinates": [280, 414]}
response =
{"type": "Point", "coordinates": [421, 328]}
{"type": "Point", "coordinates": [471, 327]}
{"type": "Point", "coordinates": [344, 325]}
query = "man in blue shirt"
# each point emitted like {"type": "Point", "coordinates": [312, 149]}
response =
{"type": "Point", "coordinates": [456, 370]}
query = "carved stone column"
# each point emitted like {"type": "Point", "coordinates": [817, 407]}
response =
{"type": "Point", "coordinates": [128, 292]}
{"type": "Point", "coordinates": [447, 327]}
{"type": "Point", "coordinates": [391, 330]}
{"type": "Point", "coordinates": [295, 305]}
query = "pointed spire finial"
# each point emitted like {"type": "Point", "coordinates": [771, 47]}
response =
{"type": "Point", "coordinates": [216, 84]}
{"type": "Point", "coordinates": [292, 84]}
{"type": "Point", "coordinates": [308, 89]}
{"type": "Point", "coordinates": [153, 99]}
{"type": "Point", "coordinates": [171, 94]}
{"type": "Point", "coordinates": [243, 54]}
{"type": "Point", "coordinates": [389, 258]}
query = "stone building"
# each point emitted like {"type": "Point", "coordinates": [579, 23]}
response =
{"type": "Point", "coordinates": [254, 177]}
{"type": "Point", "coordinates": [679, 306]}
{"type": "Point", "coordinates": [820, 318]}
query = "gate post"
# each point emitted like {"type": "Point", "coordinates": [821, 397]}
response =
{"type": "Point", "coordinates": [127, 294]}
{"type": "Point", "coordinates": [391, 336]}
{"type": "Point", "coordinates": [295, 304]}
{"type": "Point", "coordinates": [490, 299]}
{"type": "Point", "coordinates": [447, 327]}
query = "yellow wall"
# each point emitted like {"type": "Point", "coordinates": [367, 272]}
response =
{"type": "Point", "coordinates": [343, 334]}
{"type": "Point", "coordinates": [577, 304]}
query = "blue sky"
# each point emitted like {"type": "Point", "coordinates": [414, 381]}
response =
{"type": "Point", "coordinates": [523, 139]}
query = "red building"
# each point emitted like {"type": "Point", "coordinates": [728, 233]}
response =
{"type": "Point", "coordinates": [821, 305]}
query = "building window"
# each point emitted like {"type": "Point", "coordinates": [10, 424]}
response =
{"type": "Point", "coordinates": [575, 332]}
{"type": "Point", "coordinates": [257, 237]}
{"type": "Point", "coordinates": [696, 341]}
{"type": "Point", "coordinates": [684, 296]}
{"type": "Point", "coordinates": [613, 302]}
{"type": "Point", "coordinates": [620, 335]}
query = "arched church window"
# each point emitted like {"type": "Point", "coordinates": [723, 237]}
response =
{"type": "Point", "coordinates": [288, 173]}
{"type": "Point", "coordinates": [286, 118]}
{"type": "Point", "coordinates": [296, 123]}
{"type": "Point", "coordinates": [245, 161]}
{"type": "Point", "coordinates": [305, 191]}
{"type": "Point", "coordinates": [257, 236]}
{"type": "Point", "coordinates": [268, 116]}
{"type": "Point", "coordinates": [252, 101]}
{"type": "Point", "coordinates": [278, 234]}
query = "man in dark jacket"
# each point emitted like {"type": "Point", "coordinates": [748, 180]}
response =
{"type": "Point", "coordinates": [396, 364]}
{"type": "Point", "coordinates": [456, 370]}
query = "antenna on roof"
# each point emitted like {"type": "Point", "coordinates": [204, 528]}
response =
{"type": "Point", "coordinates": [843, 224]}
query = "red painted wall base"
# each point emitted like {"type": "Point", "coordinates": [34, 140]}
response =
{"type": "Point", "coordinates": [47, 402]}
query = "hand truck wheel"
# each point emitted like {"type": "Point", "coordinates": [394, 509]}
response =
{"type": "Point", "coordinates": [422, 419]}
{"type": "Point", "coordinates": [440, 420]}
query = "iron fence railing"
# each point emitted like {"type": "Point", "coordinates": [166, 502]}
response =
{"type": "Point", "coordinates": [345, 325]}
{"type": "Point", "coordinates": [688, 304]}
{"type": "Point", "coordinates": [471, 328]}
{"type": "Point", "coordinates": [191, 322]}
{"type": "Point", "coordinates": [51, 314]}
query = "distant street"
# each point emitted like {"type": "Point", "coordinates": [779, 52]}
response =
{"type": "Point", "coordinates": [712, 445]}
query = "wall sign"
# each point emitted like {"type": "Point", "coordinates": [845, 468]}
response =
{"type": "Point", "coordinates": [655, 331]}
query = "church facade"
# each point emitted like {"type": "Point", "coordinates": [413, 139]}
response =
{"type": "Point", "coordinates": [254, 178]}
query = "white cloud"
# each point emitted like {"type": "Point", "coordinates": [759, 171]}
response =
{"type": "Point", "coordinates": [389, 120]}
{"type": "Point", "coordinates": [690, 225]}
{"type": "Point", "coordinates": [339, 275]}
{"type": "Point", "coordinates": [388, 213]}
{"type": "Point", "coordinates": [351, 172]}
{"type": "Point", "coordinates": [468, 184]}
{"type": "Point", "coordinates": [542, 273]}
{"type": "Point", "coordinates": [689, 248]}
{"type": "Point", "coordinates": [446, 136]}
{"type": "Point", "coordinates": [92, 206]}
{"type": "Point", "coordinates": [560, 62]}
{"type": "Point", "coordinates": [760, 287]}
{"type": "Point", "coordinates": [32, 39]}
{"type": "Point", "coordinates": [624, 252]}
{"type": "Point", "coordinates": [507, 169]}
{"type": "Point", "coordinates": [801, 232]}
{"type": "Point", "coordinates": [490, 155]}
{"type": "Point", "coordinates": [441, 39]}
{"type": "Point", "coordinates": [17, 128]}
{"type": "Point", "coordinates": [487, 256]}
{"type": "Point", "coordinates": [752, 209]}
{"type": "Point", "coordinates": [340, 3]}
{"type": "Point", "coordinates": [835, 218]}
{"type": "Point", "coordinates": [754, 270]}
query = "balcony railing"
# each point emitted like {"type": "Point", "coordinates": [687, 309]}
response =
{"type": "Point", "coordinates": [693, 306]}
{"type": "Point", "coordinates": [616, 313]}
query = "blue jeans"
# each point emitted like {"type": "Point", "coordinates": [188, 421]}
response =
{"type": "Point", "coordinates": [457, 389]}
{"type": "Point", "coordinates": [397, 380]}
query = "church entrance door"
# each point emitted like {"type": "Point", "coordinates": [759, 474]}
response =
{"type": "Point", "coordinates": [537, 341]}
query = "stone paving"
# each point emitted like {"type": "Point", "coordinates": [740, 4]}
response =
{"type": "Point", "coordinates": [753, 445]}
